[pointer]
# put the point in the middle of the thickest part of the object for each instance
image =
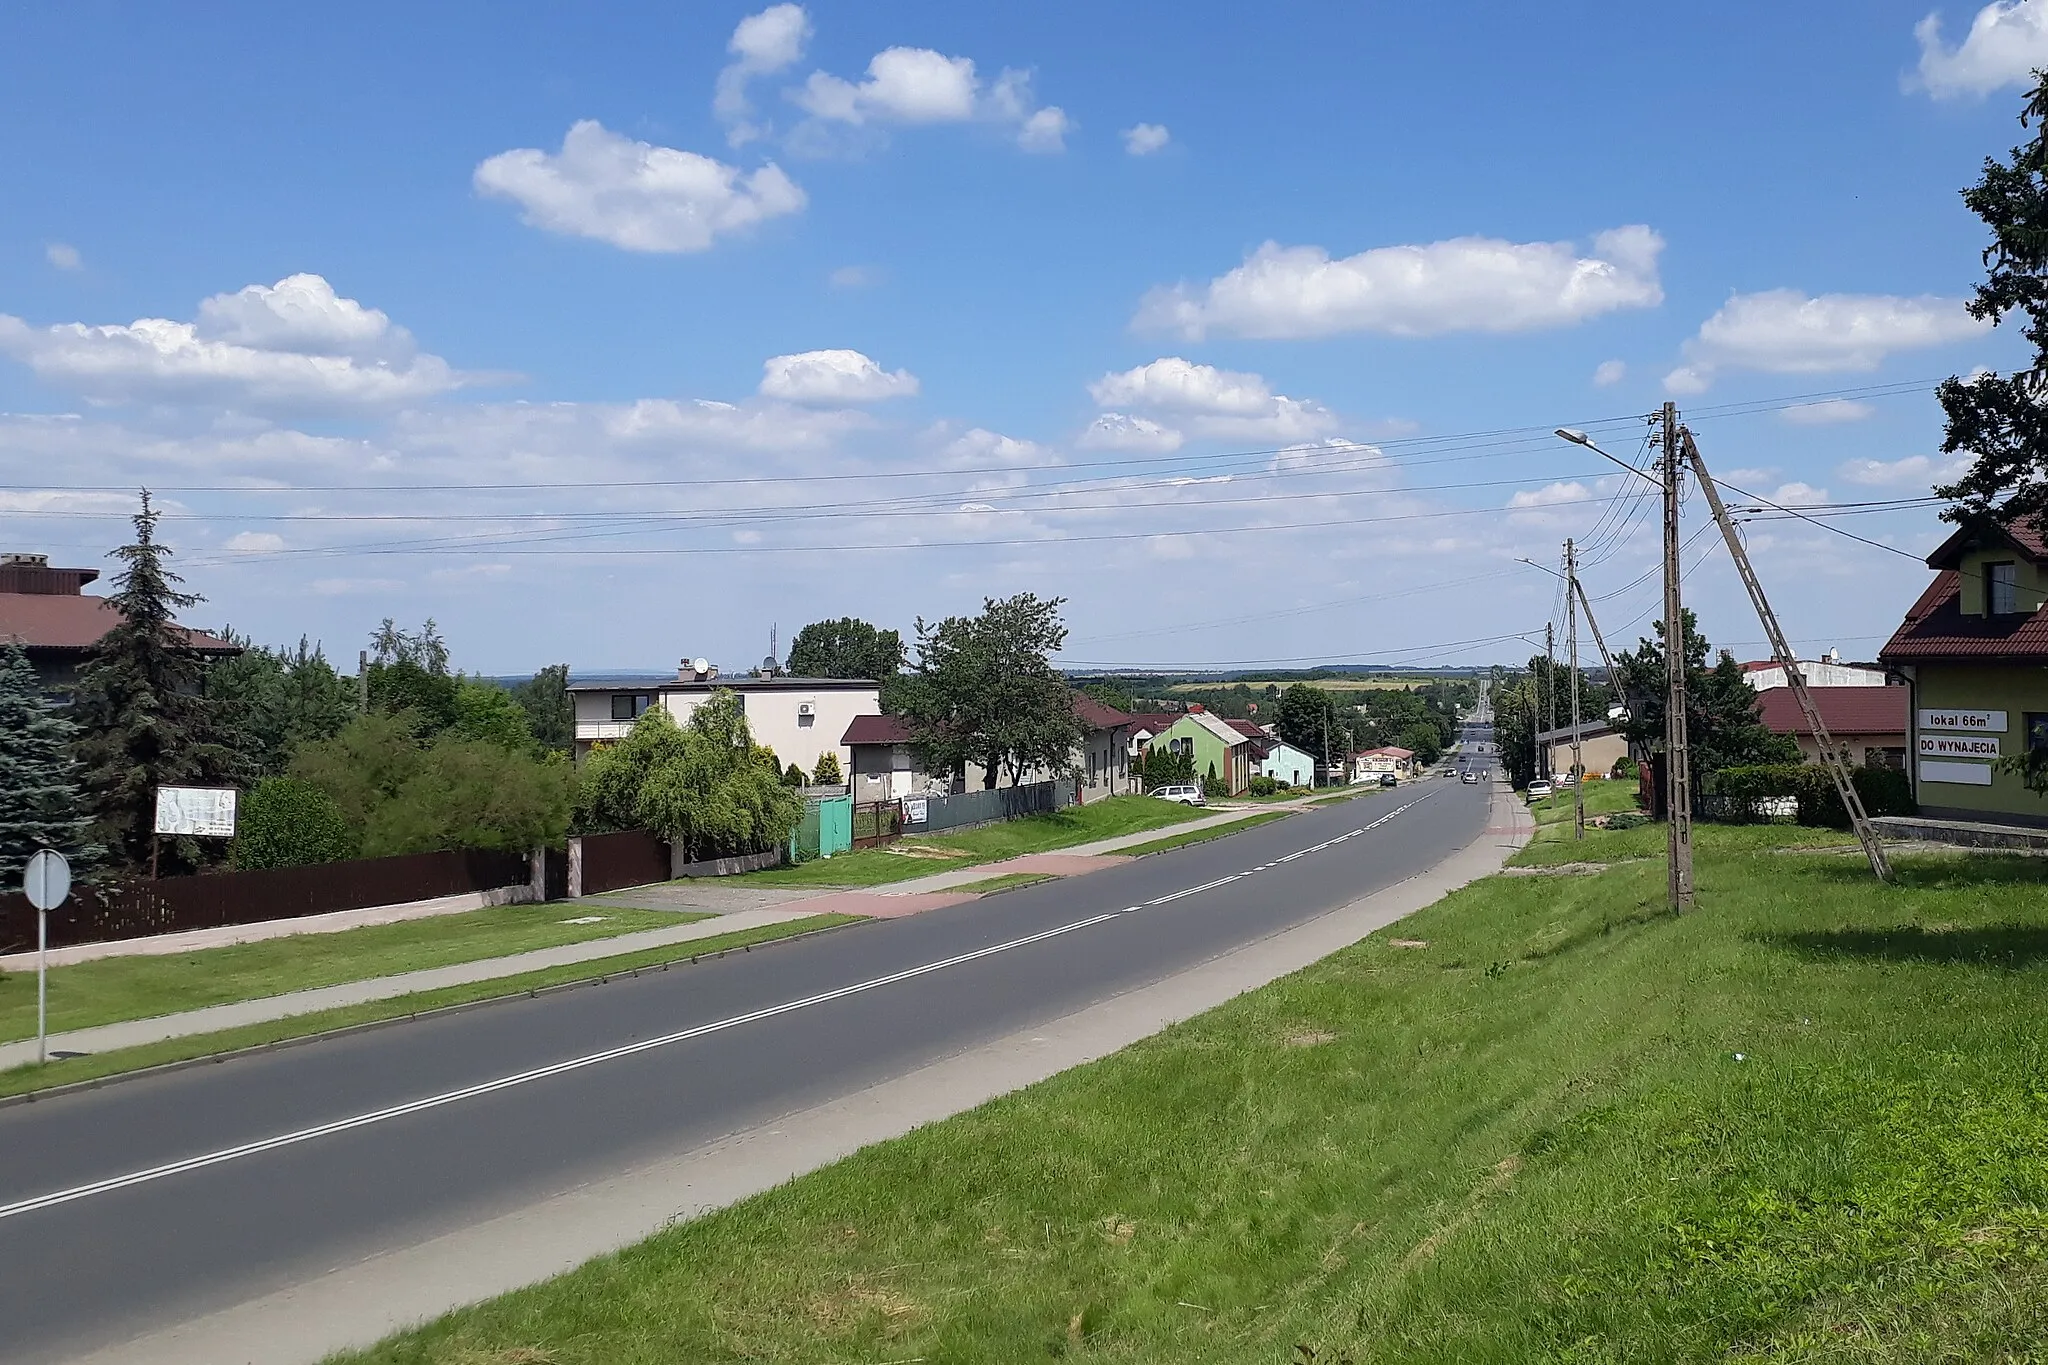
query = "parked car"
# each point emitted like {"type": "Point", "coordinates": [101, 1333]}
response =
{"type": "Point", "coordinates": [1389, 780]}
{"type": "Point", "coordinates": [1539, 789]}
{"type": "Point", "coordinates": [1187, 793]}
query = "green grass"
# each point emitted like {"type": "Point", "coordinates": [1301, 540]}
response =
{"type": "Point", "coordinates": [111, 989]}
{"type": "Point", "coordinates": [1554, 813]}
{"type": "Point", "coordinates": [1539, 1121]}
{"type": "Point", "coordinates": [1033, 834]}
{"type": "Point", "coordinates": [1009, 881]}
{"type": "Point", "coordinates": [22, 1079]}
{"type": "Point", "coordinates": [1197, 836]}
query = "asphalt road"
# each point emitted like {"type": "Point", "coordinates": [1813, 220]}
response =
{"type": "Point", "coordinates": [156, 1200]}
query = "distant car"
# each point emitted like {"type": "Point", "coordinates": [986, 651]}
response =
{"type": "Point", "coordinates": [1470, 778]}
{"type": "Point", "coordinates": [1389, 780]}
{"type": "Point", "coordinates": [1187, 793]}
{"type": "Point", "coordinates": [1539, 789]}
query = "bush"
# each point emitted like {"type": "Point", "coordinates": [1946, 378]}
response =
{"type": "Point", "coordinates": [1213, 787]}
{"type": "Point", "coordinates": [826, 774]}
{"type": "Point", "coordinates": [1262, 785]}
{"type": "Point", "coordinates": [286, 822]}
{"type": "Point", "coordinates": [793, 776]}
{"type": "Point", "coordinates": [1624, 769]}
{"type": "Point", "coordinates": [1628, 819]}
{"type": "Point", "coordinates": [1748, 795]}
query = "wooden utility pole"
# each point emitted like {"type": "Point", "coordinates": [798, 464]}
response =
{"type": "Point", "coordinates": [1677, 754]}
{"type": "Point", "coordinates": [1571, 632]}
{"type": "Point", "coordinates": [1830, 753]}
{"type": "Point", "coordinates": [1613, 673]}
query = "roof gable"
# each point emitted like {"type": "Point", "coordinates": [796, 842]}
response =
{"type": "Point", "coordinates": [2022, 536]}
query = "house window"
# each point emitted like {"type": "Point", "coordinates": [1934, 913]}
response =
{"type": "Point", "coordinates": [2037, 730]}
{"type": "Point", "coordinates": [628, 706]}
{"type": "Point", "coordinates": [2003, 581]}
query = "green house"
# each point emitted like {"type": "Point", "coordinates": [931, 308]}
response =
{"type": "Point", "coordinates": [1213, 745]}
{"type": "Point", "coordinates": [1974, 650]}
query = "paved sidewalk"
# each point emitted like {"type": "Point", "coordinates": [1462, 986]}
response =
{"type": "Point", "coordinates": [134, 1032]}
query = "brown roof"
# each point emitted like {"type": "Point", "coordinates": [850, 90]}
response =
{"type": "Point", "coordinates": [1097, 716]}
{"type": "Point", "coordinates": [2022, 535]}
{"type": "Point", "coordinates": [1844, 710]}
{"type": "Point", "coordinates": [1936, 628]}
{"type": "Point", "coordinates": [55, 621]}
{"type": "Point", "coordinates": [1157, 722]}
{"type": "Point", "coordinates": [1389, 749]}
{"type": "Point", "coordinates": [876, 730]}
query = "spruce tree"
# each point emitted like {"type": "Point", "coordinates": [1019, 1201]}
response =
{"type": "Point", "coordinates": [41, 805]}
{"type": "Point", "coordinates": [142, 711]}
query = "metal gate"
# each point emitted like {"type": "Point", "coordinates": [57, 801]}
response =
{"type": "Point", "coordinates": [877, 823]}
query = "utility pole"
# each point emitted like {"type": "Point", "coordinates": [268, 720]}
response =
{"type": "Point", "coordinates": [1613, 674]}
{"type": "Point", "coordinates": [1571, 631]}
{"type": "Point", "coordinates": [1549, 692]}
{"type": "Point", "coordinates": [1677, 754]}
{"type": "Point", "coordinates": [1830, 752]}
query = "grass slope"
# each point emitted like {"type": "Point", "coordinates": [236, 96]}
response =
{"type": "Point", "coordinates": [23, 1079]}
{"type": "Point", "coordinates": [1541, 1120]}
{"type": "Point", "coordinates": [111, 989]}
{"type": "Point", "coordinates": [943, 853]}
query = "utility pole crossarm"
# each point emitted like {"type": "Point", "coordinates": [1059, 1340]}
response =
{"type": "Point", "coordinates": [1830, 752]}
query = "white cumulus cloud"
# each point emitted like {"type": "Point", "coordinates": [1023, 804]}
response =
{"type": "Point", "coordinates": [254, 542]}
{"type": "Point", "coordinates": [1828, 413]}
{"type": "Point", "coordinates": [916, 85]}
{"type": "Point", "coordinates": [292, 345]}
{"type": "Point", "coordinates": [2007, 41]}
{"type": "Point", "coordinates": [1914, 471]}
{"type": "Point", "coordinates": [1799, 495]}
{"type": "Point", "coordinates": [1467, 284]}
{"type": "Point", "coordinates": [633, 194]}
{"type": "Point", "coordinates": [1214, 402]}
{"type": "Point", "coordinates": [1782, 331]}
{"type": "Point", "coordinates": [1550, 495]}
{"type": "Point", "coordinates": [763, 44]}
{"type": "Point", "coordinates": [1045, 130]}
{"type": "Point", "coordinates": [64, 256]}
{"type": "Point", "coordinates": [836, 376]}
{"type": "Point", "coordinates": [1610, 373]}
{"type": "Point", "coordinates": [1143, 139]}
{"type": "Point", "coordinates": [1120, 431]}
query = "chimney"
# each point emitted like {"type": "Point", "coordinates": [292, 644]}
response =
{"type": "Point", "coordinates": [32, 574]}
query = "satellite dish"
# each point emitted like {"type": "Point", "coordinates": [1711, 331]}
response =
{"type": "Point", "coordinates": [700, 665]}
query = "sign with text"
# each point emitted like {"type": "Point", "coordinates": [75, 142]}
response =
{"type": "Point", "coordinates": [1959, 746]}
{"type": "Point", "coordinates": [914, 811]}
{"type": "Point", "coordinates": [1963, 774]}
{"type": "Point", "coordinates": [204, 812]}
{"type": "Point", "coordinates": [1947, 718]}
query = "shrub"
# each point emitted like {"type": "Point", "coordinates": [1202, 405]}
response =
{"type": "Point", "coordinates": [287, 822]}
{"type": "Point", "coordinates": [1262, 785]}
{"type": "Point", "coordinates": [826, 774]}
{"type": "Point", "coordinates": [793, 776]}
{"type": "Point", "coordinates": [1748, 795]}
{"type": "Point", "coordinates": [1624, 769]}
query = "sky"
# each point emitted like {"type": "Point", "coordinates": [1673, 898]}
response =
{"type": "Point", "coordinates": [618, 335]}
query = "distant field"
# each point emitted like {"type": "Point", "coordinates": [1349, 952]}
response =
{"type": "Point", "coordinates": [1373, 684]}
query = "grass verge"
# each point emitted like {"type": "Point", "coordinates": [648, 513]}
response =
{"type": "Point", "coordinates": [21, 1080]}
{"type": "Point", "coordinates": [991, 843]}
{"type": "Point", "coordinates": [1198, 836]}
{"type": "Point", "coordinates": [1547, 1122]}
{"type": "Point", "coordinates": [1553, 814]}
{"type": "Point", "coordinates": [110, 989]}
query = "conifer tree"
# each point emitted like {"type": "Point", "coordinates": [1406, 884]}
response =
{"type": "Point", "coordinates": [41, 805]}
{"type": "Point", "coordinates": [142, 711]}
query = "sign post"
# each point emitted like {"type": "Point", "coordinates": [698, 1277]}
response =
{"type": "Point", "coordinates": [46, 881]}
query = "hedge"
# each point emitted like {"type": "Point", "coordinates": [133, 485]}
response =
{"type": "Point", "coordinates": [1740, 795]}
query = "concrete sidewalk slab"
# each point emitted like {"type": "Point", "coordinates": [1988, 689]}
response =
{"type": "Point", "coordinates": [135, 1032]}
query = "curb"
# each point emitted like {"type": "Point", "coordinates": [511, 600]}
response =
{"type": "Point", "coordinates": [52, 1092]}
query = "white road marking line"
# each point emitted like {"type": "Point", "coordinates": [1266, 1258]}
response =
{"type": "Point", "coordinates": [429, 1102]}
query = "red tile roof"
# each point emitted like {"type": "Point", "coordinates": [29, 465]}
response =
{"type": "Point", "coordinates": [1935, 628]}
{"type": "Point", "coordinates": [2022, 534]}
{"type": "Point", "coordinates": [1844, 710]}
{"type": "Point", "coordinates": [876, 730]}
{"type": "Point", "coordinates": [1390, 750]}
{"type": "Point", "coordinates": [61, 621]}
{"type": "Point", "coordinates": [1097, 716]}
{"type": "Point", "coordinates": [1156, 722]}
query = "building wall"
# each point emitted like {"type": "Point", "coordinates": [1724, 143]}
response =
{"type": "Point", "coordinates": [1104, 761]}
{"type": "Point", "coordinates": [1860, 750]}
{"type": "Point", "coordinates": [2033, 587]}
{"type": "Point", "coordinates": [1285, 763]}
{"type": "Point", "coordinates": [1232, 762]}
{"type": "Point", "coordinates": [1818, 673]}
{"type": "Point", "coordinates": [772, 716]}
{"type": "Point", "coordinates": [2015, 690]}
{"type": "Point", "coordinates": [1599, 754]}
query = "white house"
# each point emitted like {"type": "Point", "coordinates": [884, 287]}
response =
{"type": "Point", "coordinates": [1826, 671]}
{"type": "Point", "coordinates": [1285, 763]}
{"type": "Point", "coordinates": [1367, 765]}
{"type": "Point", "coordinates": [801, 719]}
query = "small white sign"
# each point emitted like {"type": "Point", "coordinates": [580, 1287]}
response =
{"type": "Point", "coordinates": [1959, 746]}
{"type": "Point", "coordinates": [47, 879]}
{"type": "Point", "coordinates": [1947, 718]}
{"type": "Point", "coordinates": [204, 812]}
{"type": "Point", "coordinates": [1962, 774]}
{"type": "Point", "coordinates": [913, 810]}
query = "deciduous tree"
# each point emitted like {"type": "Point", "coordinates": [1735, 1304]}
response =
{"type": "Point", "coordinates": [846, 648]}
{"type": "Point", "coordinates": [985, 691]}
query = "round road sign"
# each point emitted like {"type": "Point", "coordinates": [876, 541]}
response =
{"type": "Point", "coordinates": [47, 879]}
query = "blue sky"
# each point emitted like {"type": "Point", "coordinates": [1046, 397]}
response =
{"type": "Point", "coordinates": [614, 335]}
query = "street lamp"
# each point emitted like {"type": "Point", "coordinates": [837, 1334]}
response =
{"type": "Point", "coordinates": [1580, 438]}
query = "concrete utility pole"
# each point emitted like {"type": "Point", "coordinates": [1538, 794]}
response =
{"type": "Point", "coordinates": [1571, 631]}
{"type": "Point", "coordinates": [1549, 692]}
{"type": "Point", "coordinates": [1677, 754]}
{"type": "Point", "coordinates": [1830, 752]}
